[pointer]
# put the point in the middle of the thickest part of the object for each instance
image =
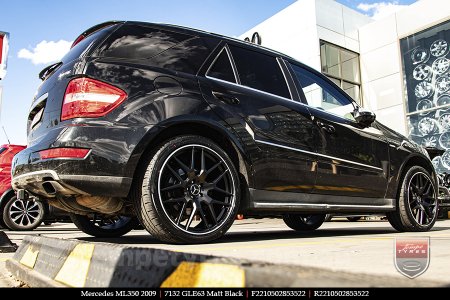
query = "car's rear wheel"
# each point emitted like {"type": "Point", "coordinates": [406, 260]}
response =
{"type": "Point", "coordinates": [417, 206]}
{"type": "Point", "coordinates": [23, 215]}
{"type": "Point", "coordinates": [189, 191]}
{"type": "Point", "coordinates": [304, 222]}
{"type": "Point", "coordinates": [104, 226]}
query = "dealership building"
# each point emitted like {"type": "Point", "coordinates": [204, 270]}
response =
{"type": "Point", "coordinates": [397, 66]}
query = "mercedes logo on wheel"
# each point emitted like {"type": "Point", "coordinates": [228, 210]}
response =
{"type": "Point", "coordinates": [194, 190]}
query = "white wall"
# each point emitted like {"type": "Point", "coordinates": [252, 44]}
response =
{"type": "Point", "coordinates": [297, 29]}
{"type": "Point", "coordinates": [381, 66]}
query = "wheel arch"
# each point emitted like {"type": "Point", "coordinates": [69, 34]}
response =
{"type": "Point", "coordinates": [222, 136]}
{"type": "Point", "coordinates": [5, 197]}
{"type": "Point", "coordinates": [414, 160]}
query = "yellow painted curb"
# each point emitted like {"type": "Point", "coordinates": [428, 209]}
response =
{"type": "Point", "coordinates": [190, 274]}
{"type": "Point", "coordinates": [30, 257]}
{"type": "Point", "coordinates": [75, 269]}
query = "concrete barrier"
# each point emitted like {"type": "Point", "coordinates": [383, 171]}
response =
{"type": "Point", "coordinates": [51, 262]}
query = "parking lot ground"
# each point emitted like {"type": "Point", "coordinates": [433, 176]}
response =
{"type": "Point", "coordinates": [364, 247]}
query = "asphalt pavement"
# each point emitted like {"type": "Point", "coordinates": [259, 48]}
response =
{"type": "Point", "coordinates": [363, 247]}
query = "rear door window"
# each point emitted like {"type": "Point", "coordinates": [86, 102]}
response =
{"type": "Point", "coordinates": [259, 71]}
{"type": "Point", "coordinates": [221, 68]}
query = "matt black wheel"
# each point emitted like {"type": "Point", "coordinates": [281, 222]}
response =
{"type": "Point", "coordinates": [190, 192]}
{"type": "Point", "coordinates": [23, 215]}
{"type": "Point", "coordinates": [417, 206]}
{"type": "Point", "coordinates": [104, 226]}
{"type": "Point", "coordinates": [304, 222]}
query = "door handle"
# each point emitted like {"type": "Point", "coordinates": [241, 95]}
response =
{"type": "Point", "coordinates": [226, 98]}
{"type": "Point", "coordinates": [328, 128]}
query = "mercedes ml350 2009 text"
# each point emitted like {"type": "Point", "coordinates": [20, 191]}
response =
{"type": "Point", "coordinates": [181, 129]}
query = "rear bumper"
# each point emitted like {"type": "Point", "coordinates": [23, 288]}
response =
{"type": "Point", "coordinates": [50, 184]}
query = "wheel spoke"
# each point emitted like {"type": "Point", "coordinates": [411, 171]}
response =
{"type": "Point", "coordinates": [183, 208]}
{"type": "Point", "coordinates": [177, 176]}
{"type": "Point", "coordinates": [220, 177]}
{"type": "Point", "coordinates": [202, 162]}
{"type": "Point", "coordinates": [172, 187]}
{"type": "Point", "coordinates": [182, 165]}
{"type": "Point", "coordinates": [175, 200]}
{"type": "Point", "coordinates": [222, 191]}
{"type": "Point", "coordinates": [193, 158]}
{"type": "Point", "coordinates": [220, 203]}
{"type": "Point", "coordinates": [213, 168]}
{"type": "Point", "coordinates": [202, 215]}
{"type": "Point", "coordinates": [191, 216]}
{"type": "Point", "coordinates": [16, 217]}
{"type": "Point", "coordinates": [213, 213]}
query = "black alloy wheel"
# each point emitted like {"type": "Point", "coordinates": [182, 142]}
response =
{"type": "Point", "coordinates": [194, 192]}
{"type": "Point", "coordinates": [417, 206]}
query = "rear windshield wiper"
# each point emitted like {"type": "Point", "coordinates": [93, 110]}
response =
{"type": "Point", "coordinates": [48, 70]}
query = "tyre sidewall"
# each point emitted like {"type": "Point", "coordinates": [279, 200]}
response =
{"type": "Point", "coordinates": [409, 222]}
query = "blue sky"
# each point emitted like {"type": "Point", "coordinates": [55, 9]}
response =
{"type": "Point", "coordinates": [31, 22]}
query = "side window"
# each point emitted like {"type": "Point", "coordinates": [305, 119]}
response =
{"type": "Point", "coordinates": [221, 68]}
{"type": "Point", "coordinates": [260, 71]}
{"type": "Point", "coordinates": [322, 95]}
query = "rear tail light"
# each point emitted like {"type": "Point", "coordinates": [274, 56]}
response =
{"type": "Point", "coordinates": [63, 153]}
{"type": "Point", "coordinates": [89, 98]}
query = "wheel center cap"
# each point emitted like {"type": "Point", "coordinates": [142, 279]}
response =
{"type": "Point", "coordinates": [194, 190]}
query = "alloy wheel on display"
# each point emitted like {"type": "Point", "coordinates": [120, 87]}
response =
{"type": "Point", "coordinates": [196, 189]}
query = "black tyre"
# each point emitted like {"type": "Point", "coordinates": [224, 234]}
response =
{"type": "Point", "coordinates": [417, 206]}
{"type": "Point", "coordinates": [104, 226]}
{"type": "Point", "coordinates": [189, 191]}
{"type": "Point", "coordinates": [23, 215]}
{"type": "Point", "coordinates": [304, 222]}
{"type": "Point", "coordinates": [353, 219]}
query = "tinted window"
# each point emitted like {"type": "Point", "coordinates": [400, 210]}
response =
{"type": "Point", "coordinates": [321, 94]}
{"type": "Point", "coordinates": [259, 71]}
{"type": "Point", "coordinates": [222, 68]}
{"type": "Point", "coordinates": [2, 150]}
{"type": "Point", "coordinates": [140, 42]}
{"type": "Point", "coordinates": [185, 57]}
{"type": "Point", "coordinates": [85, 44]}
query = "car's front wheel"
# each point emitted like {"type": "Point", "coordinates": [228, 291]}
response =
{"type": "Point", "coordinates": [304, 222]}
{"type": "Point", "coordinates": [104, 226]}
{"type": "Point", "coordinates": [417, 206]}
{"type": "Point", "coordinates": [23, 215]}
{"type": "Point", "coordinates": [189, 191]}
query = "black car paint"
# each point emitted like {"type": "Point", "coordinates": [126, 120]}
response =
{"type": "Point", "coordinates": [262, 133]}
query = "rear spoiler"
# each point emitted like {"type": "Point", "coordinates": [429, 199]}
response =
{"type": "Point", "coordinates": [92, 30]}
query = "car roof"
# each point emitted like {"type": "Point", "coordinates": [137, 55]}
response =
{"type": "Point", "coordinates": [203, 33]}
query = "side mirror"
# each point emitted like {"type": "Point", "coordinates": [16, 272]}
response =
{"type": "Point", "coordinates": [364, 117]}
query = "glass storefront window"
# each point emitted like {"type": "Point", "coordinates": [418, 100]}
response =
{"type": "Point", "coordinates": [342, 67]}
{"type": "Point", "coordinates": [426, 64]}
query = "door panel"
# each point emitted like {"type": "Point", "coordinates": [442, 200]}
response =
{"type": "Point", "coordinates": [352, 160]}
{"type": "Point", "coordinates": [277, 131]}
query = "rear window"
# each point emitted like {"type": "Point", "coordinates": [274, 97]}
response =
{"type": "Point", "coordinates": [85, 44]}
{"type": "Point", "coordinates": [3, 149]}
{"type": "Point", "coordinates": [140, 42]}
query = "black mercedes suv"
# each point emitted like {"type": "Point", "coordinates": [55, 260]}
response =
{"type": "Point", "coordinates": [181, 129]}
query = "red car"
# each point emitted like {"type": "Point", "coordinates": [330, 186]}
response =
{"type": "Point", "coordinates": [16, 214]}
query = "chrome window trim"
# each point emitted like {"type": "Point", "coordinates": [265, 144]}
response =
{"type": "Point", "coordinates": [318, 154]}
{"type": "Point", "coordinates": [255, 90]}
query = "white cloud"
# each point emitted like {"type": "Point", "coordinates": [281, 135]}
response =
{"type": "Point", "coordinates": [46, 52]}
{"type": "Point", "coordinates": [380, 10]}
